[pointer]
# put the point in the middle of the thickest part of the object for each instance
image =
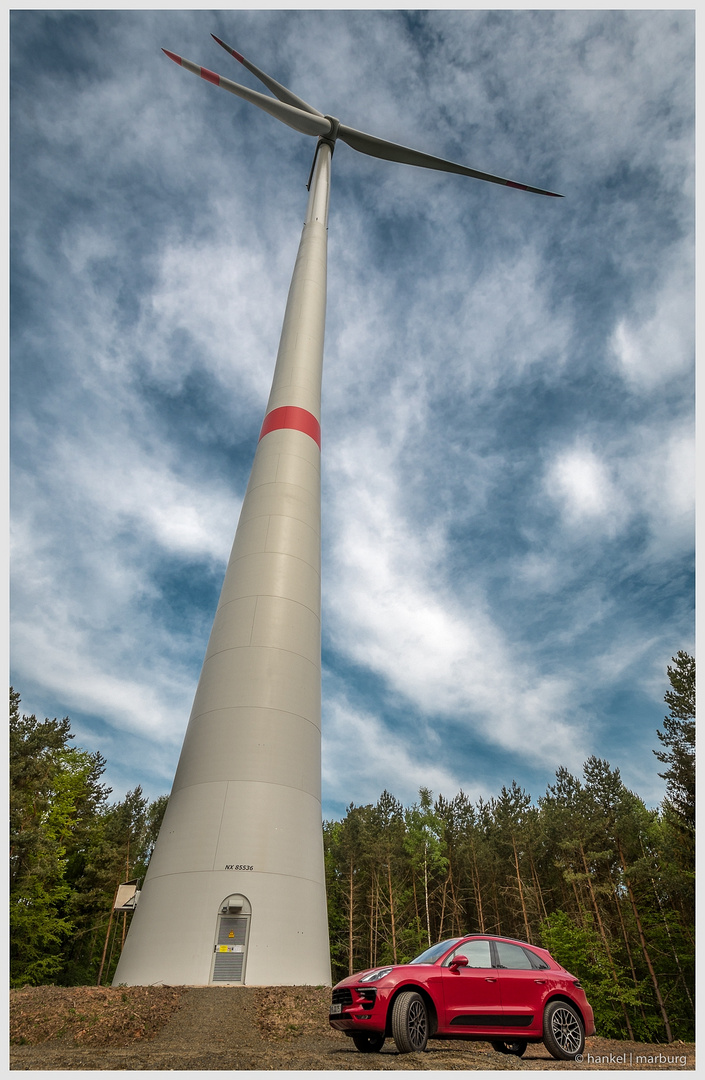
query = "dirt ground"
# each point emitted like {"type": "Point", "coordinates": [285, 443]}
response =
{"type": "Point", "coordinates": [251, 1028]}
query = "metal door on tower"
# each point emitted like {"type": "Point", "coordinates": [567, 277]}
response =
{"type": "Point", "coordinates": [231, 949]}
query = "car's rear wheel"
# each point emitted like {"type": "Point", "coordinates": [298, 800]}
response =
{"type": "Point", "coordinates": [517, 1047]}
{"type": "Point", "coordinates": [409, 1023]}
{"type": "Point", "coordinates": [563, 1031]}
{"type": "Point", "coordinates": [368, 1044]}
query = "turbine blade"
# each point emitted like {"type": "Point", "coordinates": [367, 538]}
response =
{"type": "Point", "coordinates": [305, 122]}
{"type": "Point", "coordinates": [277, 89]}
{"type": "Point", "coordinates": [380, 148]}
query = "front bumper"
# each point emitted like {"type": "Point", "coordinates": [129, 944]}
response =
{"type": "Point", "coordinates": [358, 1008]}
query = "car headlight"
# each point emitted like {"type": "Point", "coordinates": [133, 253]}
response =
{"type": "Point", "coordinates": [373, 976]}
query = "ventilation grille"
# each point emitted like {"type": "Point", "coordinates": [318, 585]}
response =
{"type": "Point", "coordinates": [232, 936]}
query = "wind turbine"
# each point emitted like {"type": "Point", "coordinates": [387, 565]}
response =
{"type": "Point", "coordinates": [235, 890]}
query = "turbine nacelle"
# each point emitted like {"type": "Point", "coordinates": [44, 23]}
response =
{"type": "Point", "coordinates": [334, 129]}
{"type": "Point", "coordinates": [299, 115]}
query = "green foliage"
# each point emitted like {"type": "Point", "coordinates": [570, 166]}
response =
{"type": "Point", "coordinates": [68, 851]}
{"type": "Point", "coordinates": [578, 948]}
{"type": "Point", "coordinates": [588, 871]}
{"type": "Point", "coordinates": [423, 846]}
{"type": "Point", "coordinates": [678, 753]}
{"type": "Point", "coordinates": [54, 792]}
{"type": "Point", "coordinates": [37, 932]}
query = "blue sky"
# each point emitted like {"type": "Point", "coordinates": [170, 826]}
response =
{"type": "Point", "coordinates": [508, 416]}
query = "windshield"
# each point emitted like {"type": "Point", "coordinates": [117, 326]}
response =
{"type": "Point", "coordinates": [431, 955]}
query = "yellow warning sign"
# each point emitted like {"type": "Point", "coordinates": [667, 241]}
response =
{"type": "Point", "coordinates": [231, 934]}
{"type": "Point", "coordinates": [223, 948]}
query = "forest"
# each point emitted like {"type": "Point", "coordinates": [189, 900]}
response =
{"type": "Point", "coordinates": [586, 870]}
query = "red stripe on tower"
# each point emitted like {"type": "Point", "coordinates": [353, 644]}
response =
{"type": "Point", "coordinates": [291, 416]}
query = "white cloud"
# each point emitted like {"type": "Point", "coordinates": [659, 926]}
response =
{"type": "Point", "coordinates": [391, 611]}
{"type": "Point", "coordinates": [154, 702]}
{"type": "Point", "coordinates": [656, 344]}
{"type": "Point", "coordinates": [156, 226]}
{"type": "Point", "coordinates": [646, 474]}
{"type": "Point", "coordinates": [361, 754]}
{"type": "Point", "coordinates": [579, 481]}
{"type": "Point", "coordinates": [660, 477]}
{"type": "Point", "coordinates": [203, 290]}
{"type": "Point", "coordinates": [623, 656]}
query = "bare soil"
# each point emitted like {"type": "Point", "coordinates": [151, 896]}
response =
{"type": "Point", "coordinates": [251, 1028]}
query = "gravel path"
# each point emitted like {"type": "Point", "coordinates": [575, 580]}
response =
{"type": "Point", "coordinates": [245, 1028]}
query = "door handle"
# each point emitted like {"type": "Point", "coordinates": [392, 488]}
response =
{"type": "Point", "coordinates": [540, 981]}
{"type": "Point", "coordinates": [487, 979]}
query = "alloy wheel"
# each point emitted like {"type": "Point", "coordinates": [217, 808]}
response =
{"type": "Point", "coordinates": [566, 1030]}
{"type": "Point", "coordinates": [417, 1024]}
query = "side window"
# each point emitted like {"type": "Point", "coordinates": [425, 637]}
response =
{"type": "Point", "coordinates": [477, 952]}
{"type": "Point", "coordinates": [512, 956]}
{"type": "Point", "coordinates": [536, 961]}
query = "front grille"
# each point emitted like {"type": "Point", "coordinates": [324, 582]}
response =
{"type": "Point", "coordinates": [342, 996]}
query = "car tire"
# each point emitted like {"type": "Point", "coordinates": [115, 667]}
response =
{"type": "Point", "coordinates": [409, 1023]}
{"type": "Point", "coordinates": [517, 1047]}
{"type": "Point", "coordinates": [563, 1031]}
{"type": "Point", "coordinates": [368, 1044]}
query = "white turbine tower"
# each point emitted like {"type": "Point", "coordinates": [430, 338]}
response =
{"type": "Point", "coordinates": [235, 890]}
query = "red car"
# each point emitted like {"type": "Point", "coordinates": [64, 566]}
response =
{"type": "Point", "coordinates": [502, 991]}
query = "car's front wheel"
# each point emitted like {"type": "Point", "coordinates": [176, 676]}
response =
{"type": "Point", "coordinates": [368, 1044]}
{"type": "Point", "coordinates": [517, 1047]}
{"type": "Point", "coordinates": [563, 1031]}
{"type": "Point", "coordinates": [409, 1023]}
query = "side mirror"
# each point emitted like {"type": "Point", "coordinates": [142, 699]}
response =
{"type": "Point", "coordinates": [458, 962]}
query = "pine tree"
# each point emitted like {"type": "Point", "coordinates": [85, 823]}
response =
{"type": "Point", "coordinates": [678, 740]}
{"type": "Point", "coordinates": [424, 849]}
{"type": "Point", "coordinates": [55, 796]}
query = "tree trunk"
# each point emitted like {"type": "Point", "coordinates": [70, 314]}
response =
{"type": "Point", "coordinates": [496, 908]}
{"type": "Point", "coordinates": [645, 951]}
{"type": "Point", "coordinates": [391, 912]}
{"type": "Point", "coordinates": [373, 951]}
{"type": "Point", "coordinates": [351, 899]}
{"type": "Point", "coordinates": [604, 938]}
{"type": "Point", "coordinates": [417, 915]}
{"type": "Point", "coordinates": [107, 935]}
{"type": "Point", "coordinates": [454, 922]}
{"type": "Point", "coordinates": [92, 946]}
{"type": "Point", "coordinates": [478, 891]}
{"type": "Point", "coordinates": [625, 935]}
{"type": "Point", "coordinates": [425, 889]}
{"type": "Point", "coordinates": [670, 939]}
{"type": "Point", "coordinates": [542, 906]}
{"type": "Point", "coordinates": [578, 905]}
{"type": "Point", "coordinates": [521, 891]}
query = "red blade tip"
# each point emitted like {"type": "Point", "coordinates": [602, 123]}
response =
{"type": "Point", "coordinates": [228, 49]}
{"type": "Point", "coordinates": [172, 56]}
